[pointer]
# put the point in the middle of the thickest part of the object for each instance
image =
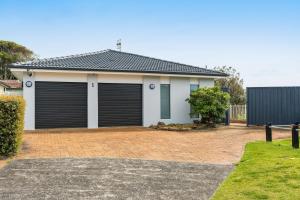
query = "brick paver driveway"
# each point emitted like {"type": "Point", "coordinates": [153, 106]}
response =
{"type": "Point", "coordinates": [166, 165]}
{"type": "Point", "coordinates": [218, 146]}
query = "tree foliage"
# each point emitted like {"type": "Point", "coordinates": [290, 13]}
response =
{"type": "Point", "coordinates": [235, 84]}
{"type": "Point", "coordinates": [11, 52]}
{"type": "Point", "coordinates": [210, 103]}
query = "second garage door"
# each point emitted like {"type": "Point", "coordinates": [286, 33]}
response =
{"type": "Point", "coordinates": [119, 104]}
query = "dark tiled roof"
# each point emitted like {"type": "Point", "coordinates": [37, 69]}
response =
{"type": "Point", "coordinates": [14, 84]}
{"type": "Point", "coordinates": [115, 61]}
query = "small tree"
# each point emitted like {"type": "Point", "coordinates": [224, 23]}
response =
{"type": "Point", "coordinates": [235, 84]}
{"type": "Point", "coordinates": [11, 52]}
{"type": "Point", "coordinates": [210, 103]}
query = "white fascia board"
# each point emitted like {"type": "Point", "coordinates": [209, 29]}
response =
{"type": "Point", "coordinates": [116, 73]}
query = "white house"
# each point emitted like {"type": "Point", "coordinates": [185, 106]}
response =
{"type": "Point", "coordinates": [10, 87]}
{"type": "Point", "coordinates": [108, 88]}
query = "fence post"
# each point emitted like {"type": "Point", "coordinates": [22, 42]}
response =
{"type": "Point", "coordinates": [268, 132]}
{"type": "Point", "coordinates": [295, 136]}
{"type": "Point", "coordinates": [227, 112]}
{"type": "Point", "coordinates": [227, 118]}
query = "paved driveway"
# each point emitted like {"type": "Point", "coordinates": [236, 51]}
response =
{"type": "Point", "coordinates": [177, 169]}
{"type": "Point", "coordinates": [217, 146]}
{"type": "Point", "coordinates": [103, 178]}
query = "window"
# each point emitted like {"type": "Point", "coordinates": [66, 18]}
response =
{"type": "Point", "coordinates": [193, 87]}
{"type": "Point", "coordinates": [165, 101]}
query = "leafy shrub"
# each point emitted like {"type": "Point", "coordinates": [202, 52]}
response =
{"type": "Point", "coordinates": [210, 103]}
{"type": "Point", "coordinates": [11, 124]}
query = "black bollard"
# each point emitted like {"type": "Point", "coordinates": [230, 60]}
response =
{"type": "Point", "coordinates": [268, 132]}
{"type": "Point", "coordinates": [295, 136]}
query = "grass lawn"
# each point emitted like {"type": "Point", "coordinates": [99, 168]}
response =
{"type": "Point", "coordinates": [266, 171]}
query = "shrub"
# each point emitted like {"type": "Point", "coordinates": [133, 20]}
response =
{"type": "Point", "coordinates": [210, 103]}
{"type": "Point", "coordinates": [11, 124]}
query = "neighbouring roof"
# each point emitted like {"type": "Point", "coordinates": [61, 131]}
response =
{"type": "Point", "coordinates": [13, 84]}
{"type": "Point", "coordinates": [115, 61]}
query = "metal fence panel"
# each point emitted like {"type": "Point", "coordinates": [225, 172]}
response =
{"type": "Point", "coordinates": [278, 105]}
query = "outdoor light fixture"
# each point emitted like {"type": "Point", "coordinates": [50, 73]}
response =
{"type": "Point", "coordinates": [28, 83]}
{"type": "Point", "coordinates": [29, 73]}
{"type": "Point", "coordinates": [152, 86]}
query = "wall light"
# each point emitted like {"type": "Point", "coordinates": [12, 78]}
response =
{"type": "Point", "coordinates": [152, 86]}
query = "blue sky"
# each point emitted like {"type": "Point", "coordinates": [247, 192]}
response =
{"type": "Point", "coordinates": [260, 38]}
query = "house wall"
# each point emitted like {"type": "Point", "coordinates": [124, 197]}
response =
{"type": "Point", "coordinates": [29, 96]}
{"type": "Point", "coordinates": [179, 91]}
{"type": "Point", "coordinates": [1, 89]}
{"type": "Point", "coordinates": [206, 83]}
{"type": "Point", "coordinates": [151, 100]}
{"type": "Point", "coordinates": [92, 101]}
{"type": "Point", "coordinates": [60, 77]}
{"type": "Point", "coordinates": [106, 78]}
{"type": "Point", "coordinates": [13, 92]}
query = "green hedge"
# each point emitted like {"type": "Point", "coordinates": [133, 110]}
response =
{"type": "Point", "coordinates": [11, 124]}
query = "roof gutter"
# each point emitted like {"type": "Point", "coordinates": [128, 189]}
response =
{"type": "Point", "coordinates": [4, 85]}
{"type": "Point", "coordinates": [116, 73]}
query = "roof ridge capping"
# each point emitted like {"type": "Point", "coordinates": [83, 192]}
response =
{"type": "Point", "coordinates": [211, 70]}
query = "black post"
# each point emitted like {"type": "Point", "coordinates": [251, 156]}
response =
{"type": "Point", "coordinates": [268, 132]}
{"type": "Point", "coordinates": [295, 136]}
{"type": "Point", "coordinates": [227, 118]}
{"type": "Point", "coordinates": [227, 112]}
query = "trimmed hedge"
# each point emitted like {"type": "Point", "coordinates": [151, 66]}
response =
{"type": "Point", "coordinates": [11, 124]}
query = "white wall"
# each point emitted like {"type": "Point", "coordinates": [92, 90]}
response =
{"type": "Point", "coordinates": [92, 101]}
{"type": "Point", "coordinates": [1, 89]}
{"type": "Point", "coordinates": [151, 101]}
{"type": "Point", "coordinates": [179, 91]}
{"type": "Point", "coordinates": [106, 78]}
{"type": "Point", "coordinates": [61, 77]}
{"type": "Point", "coordinates": [206, 83]}
{"type": "Point", "coordinates": [29, 96]}
{"type": "Point", "coordinates": [14, 92]}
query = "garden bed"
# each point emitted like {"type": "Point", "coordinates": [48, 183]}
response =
{"type": "Point", "coordinates": [182, 127]}
{"type": "Point", "coordinates": [240, 121]}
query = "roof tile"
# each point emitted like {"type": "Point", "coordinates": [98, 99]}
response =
{"type": "Point", "coordinates": [115, 61]}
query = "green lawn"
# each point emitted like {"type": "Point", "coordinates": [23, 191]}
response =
{"type": "Point", "coordinates": [266, 171]}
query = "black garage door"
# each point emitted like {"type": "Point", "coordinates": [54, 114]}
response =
{"type": "Point", "coordinates": [60, 105]}
{"type": "Point", "coordinates": [119, 104]}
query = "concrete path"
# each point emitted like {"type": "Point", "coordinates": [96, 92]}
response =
{"type": "Point", "coordinates": [106, 178]}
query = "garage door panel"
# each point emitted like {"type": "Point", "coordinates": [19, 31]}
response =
{"type": "Point", "coordinates": [119, 104]}
{"type": "Point", "coordinates": [60, 105]}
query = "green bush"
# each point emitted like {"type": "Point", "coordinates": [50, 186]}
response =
{"type": "Point", "coordinates": [11, 124]}
{"type": "Point", "coordinates": [210, 103]}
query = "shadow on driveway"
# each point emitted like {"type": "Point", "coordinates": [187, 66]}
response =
{"type": "Point", "coordinates": [106, 178]}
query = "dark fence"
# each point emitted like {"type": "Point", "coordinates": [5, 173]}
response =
{"type": "Point", "coordinates": [276, 105]}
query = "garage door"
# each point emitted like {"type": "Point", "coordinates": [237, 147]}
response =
{"type": "Point", "coordinates": [60, 105]}
{"type": "Point", "coordinates": [119, 104]}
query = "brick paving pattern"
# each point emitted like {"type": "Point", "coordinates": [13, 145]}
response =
{"type": "Point", "coordinates": [224, 145]}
